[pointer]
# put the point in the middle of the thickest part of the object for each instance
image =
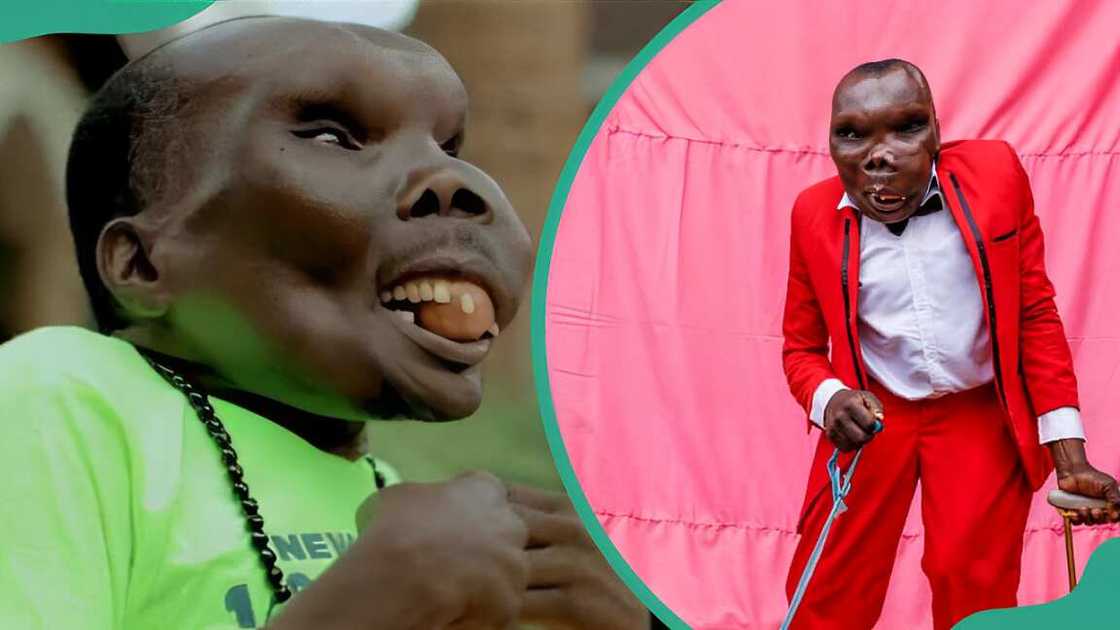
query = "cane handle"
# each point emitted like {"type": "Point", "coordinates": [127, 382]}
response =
{"type": "Point", "coordinates": [1068, 501]}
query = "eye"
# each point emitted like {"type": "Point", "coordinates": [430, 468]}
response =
{"type": "Point", "coordinates": [913, 126]}
{"type": "Point", "coordinates": [847, 133]}
{"type": "Point", "coordinates": [452, 146]}
{"type": "Point", "coordinates": [328, 135]}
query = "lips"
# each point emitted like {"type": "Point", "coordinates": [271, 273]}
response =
{"type": "Point", "coordinates": [450, 303]}
{"type": "Point", "coordinates": [457, 309]}
{"type": "Point", "coordinates": [467, 353]}
{"type": "Point", "coordinates": [884, 199]}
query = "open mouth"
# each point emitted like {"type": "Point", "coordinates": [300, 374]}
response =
{"type": "Point", "coordinates": [446, 313]}
{"type": "Point", "coordinates": [886, 200]}
{"type": "Point", "coordinates": [455, 308]}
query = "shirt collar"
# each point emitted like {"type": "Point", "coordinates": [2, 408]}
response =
{"type": "Point", "coordinates": [933, 190]}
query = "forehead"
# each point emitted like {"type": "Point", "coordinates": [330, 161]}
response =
{"type": "Point", "coordinates": [266, 58]}
{"type": "Point", "coordinates": [896, 89]}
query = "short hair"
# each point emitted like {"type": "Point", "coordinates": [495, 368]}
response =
{"type": "Point", "coordinates": [118, 162]}
{"type": "Point", "coordinates": [883, 66]}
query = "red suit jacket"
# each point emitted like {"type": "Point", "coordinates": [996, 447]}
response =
{"type": "Point", "coordinates": [987, 191]}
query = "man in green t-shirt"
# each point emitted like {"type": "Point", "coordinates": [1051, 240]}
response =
{"type": "Point", "coordinates": [280, 243]}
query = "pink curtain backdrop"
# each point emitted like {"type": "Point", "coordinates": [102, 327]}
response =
{"type": "Point", "coordinates": [668, 275]}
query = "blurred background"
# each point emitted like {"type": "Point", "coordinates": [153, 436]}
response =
{"type": "Point", "coordinates": [534, 70]}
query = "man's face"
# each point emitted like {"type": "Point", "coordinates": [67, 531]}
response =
{"type": "Point", "coordinates": [883, 139]}
{"type": "Point", "coordinates": [330, 227]}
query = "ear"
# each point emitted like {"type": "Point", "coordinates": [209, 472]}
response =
{"type": "Point", "coordinates": [127, 271]}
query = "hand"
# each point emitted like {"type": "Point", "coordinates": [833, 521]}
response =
{"type": "Point", "coordinates": [443, 555]}
{"type": "Point", "coordinates": [571, 585]}
{"type": "Point", "coordinates": [1076, 475]}
{"type": "Point", "coordinates": [850, 418]}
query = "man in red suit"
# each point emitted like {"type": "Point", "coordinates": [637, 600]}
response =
{"type": "Point", "coordinates": [921, 266]}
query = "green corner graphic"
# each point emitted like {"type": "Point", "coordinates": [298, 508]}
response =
{"type": "Point", "coordinates": [1090, 604]}
{"type": "Point", "coordinates": [20, 20]}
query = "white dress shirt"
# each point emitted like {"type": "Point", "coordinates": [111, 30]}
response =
{"type": "Point", "coordinates": [921, 319]}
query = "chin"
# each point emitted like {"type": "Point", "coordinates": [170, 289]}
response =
{"type": "Point", "coordinates": [894, 219]}
{"type": "Point", "coordinates": [427, 406]}
{"type": "Point", "coordinates": [450, 410]}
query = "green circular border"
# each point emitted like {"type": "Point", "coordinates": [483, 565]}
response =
{"type": "Point", "coordinates": [42, 17]}
{"type": "Point", "coordinates": [538, 311]}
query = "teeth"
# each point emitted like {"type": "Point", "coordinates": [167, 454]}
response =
{"type": "Point", "coordinates": [406, 316]}
{"type": "Point", "coordinates": [493, 330]}
{"type": "Point", "coordinates": [442, 292]}
{"type": "Point", "coordinates": [428, 290]}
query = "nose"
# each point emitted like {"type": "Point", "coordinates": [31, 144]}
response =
{"type": "Point", "coordinates": [880, 160]}
{"type": "Point", "coordinates": [445, 192]}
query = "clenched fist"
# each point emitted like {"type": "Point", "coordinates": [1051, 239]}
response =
{"type": "Point", "coordinates": [1075, 474]}
{"type": "Point", "coordinates": [438, 555]}
{"type": "Point", "coordinates": [852, 418]}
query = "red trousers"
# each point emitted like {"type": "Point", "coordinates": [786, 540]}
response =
{"type": "Point", "coordinates": [975, 499]}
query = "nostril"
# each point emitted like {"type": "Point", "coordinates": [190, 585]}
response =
{"type": "Point", "coordinates": [428, 203]}
{"type": "Point", "coordinates": [467, 202]}
{"type": "Point", "coordinates": [875, 164]}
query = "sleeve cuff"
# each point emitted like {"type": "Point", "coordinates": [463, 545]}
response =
{"type": "Point", "coordinates": [825, 391]}
{"type": "Point", "coordinates": [1060, 424]}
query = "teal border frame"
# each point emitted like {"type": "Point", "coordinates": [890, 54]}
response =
{"type": "Point", "coordinates": [42, 17]}
{"type": "Point", "coordinates": [539, 311]}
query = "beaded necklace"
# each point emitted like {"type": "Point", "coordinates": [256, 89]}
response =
{"type": "Point", "coordinates": [254, 522]}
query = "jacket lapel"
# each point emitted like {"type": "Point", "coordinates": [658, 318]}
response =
{"type": "Point", "coordinates": [952, 201]}
{"type": "Point", "coordinates": [848, 273]}
{"type": "Point", "coordinates": [969, 220]}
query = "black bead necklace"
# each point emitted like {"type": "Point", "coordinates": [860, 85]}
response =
{"type": "Point", "coordinates": [254, 522]}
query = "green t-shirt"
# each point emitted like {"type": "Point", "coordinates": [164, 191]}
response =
{"type": "Point", "coordinates": [117, 512]}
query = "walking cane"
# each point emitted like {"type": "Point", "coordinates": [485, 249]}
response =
{"type": "Point", "coordinates": [841, 484]}
{"type": "Point", "coordinates": [1067, 505]}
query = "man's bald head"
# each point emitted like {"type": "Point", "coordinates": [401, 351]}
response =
{"type": "Point", "coordinates": [878, 69]}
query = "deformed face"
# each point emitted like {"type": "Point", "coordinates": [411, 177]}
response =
{"type": "Point", "coordinates": [884, 136]}
{"type": "Point", "coordinates": [332, 251]}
